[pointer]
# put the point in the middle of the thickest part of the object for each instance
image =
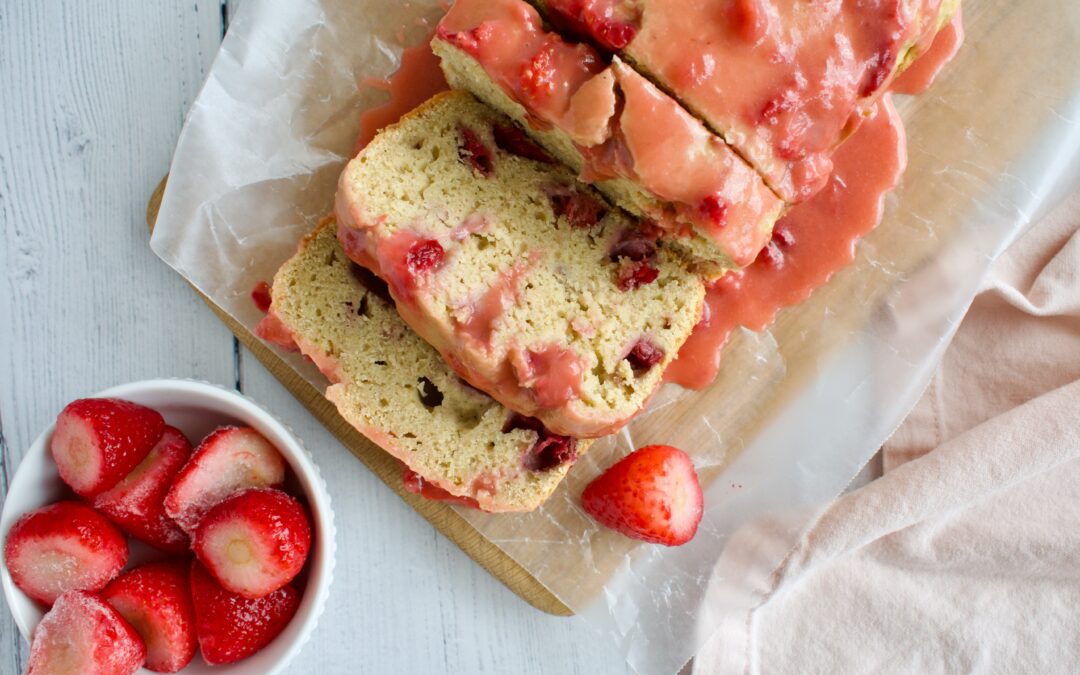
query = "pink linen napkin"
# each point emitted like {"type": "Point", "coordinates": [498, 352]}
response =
{"type": "Point", "coordinates": [965, 555]}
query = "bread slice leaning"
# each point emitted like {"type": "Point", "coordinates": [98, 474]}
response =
{"type": "Point", "coordinates": [397, 391]}
{"type": "Point", "coordinates": [620, 132]}
{"type": "Point", "coordinates": [529, 284]}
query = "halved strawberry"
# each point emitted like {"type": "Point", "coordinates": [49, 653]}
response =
{"type": "Point", "coordinates": [98, 441]}
{"type": "Point", "coordinates": [82, 635]}
{"type": "Point", "coordinates": [231, 627]}
{"type": "Point", "coordinates": [652, 494]}
{"type": "Point", "coordinates": [66, 546]}
{"type": "Point", "coordinates": [254, 542]}
{"type": "Point", "coordinates": [137, 503]}
{"type": "Point", "coordinates": [229, 459]}
{"type": "Point", "coordinates": [155, 599]}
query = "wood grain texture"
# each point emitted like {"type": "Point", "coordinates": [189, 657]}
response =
{"type": "Point", "coordinates": [95, 95]}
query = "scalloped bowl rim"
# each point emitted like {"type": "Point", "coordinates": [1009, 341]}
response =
{"type": "Point", "coordinates": [37, 483]}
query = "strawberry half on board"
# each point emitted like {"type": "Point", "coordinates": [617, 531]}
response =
{"type": "Point", "coordinates": [254, 542]}
{"type": "Point", "coordinates": [231, 627]}
{"type": "Point", "coordinates": [652, 495]}
{"type": "Point", "coordinates": [98, 441]}
{"type": "Point", "coordinates": [155, 599]}
{"type": "Point", "coordinates": [66, 546]}
{"type": "Point", "coordinates": [228, 460]}
{"type": "Point", "coordinates": [137, 502]}
{"type": "Point", "coordinates": [83, 635]}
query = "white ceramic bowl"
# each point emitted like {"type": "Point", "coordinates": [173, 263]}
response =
{"type": "Point", "coordinates": [196, 408]}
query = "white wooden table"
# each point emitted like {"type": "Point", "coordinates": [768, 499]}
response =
{"type": "Point", "coordinates": [92, 97]}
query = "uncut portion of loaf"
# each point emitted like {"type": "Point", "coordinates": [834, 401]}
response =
{"type": "Point", "coordinates": [615, 128]}
{"type": "Point", "coordinates": [784, 81]}
{"type": "Point", "coordinates": [531, 286]}
{"type": "Point", "coordinates": [397, 391]}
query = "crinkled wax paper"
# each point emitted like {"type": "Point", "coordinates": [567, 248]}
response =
{"type": "Point", "coordinates": [797, 410]}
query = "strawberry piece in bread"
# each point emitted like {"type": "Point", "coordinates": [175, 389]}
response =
{"type": "Point", "coordinates": [137, 503]}
{"type": "Point", "coordinates": [228, 460]}
{"type": "Point", "coordinates": [254, 542]}
{"type": "Point", "coordinates": [155, 599]}
{"type": "Point", "coordinates": [82, 634]}
{"type": "Point", "coordinates": [231, 627]}
{"type": "Point", "coordinates": [98, 441]}
{"type": "Point", "coordinates": [63, 547]}
{"type": "Point", "coordinates": [652, 495]}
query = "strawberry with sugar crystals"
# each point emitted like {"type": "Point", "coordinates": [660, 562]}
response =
{"type": "Point", "coordinates": [98, 441]}
{"type": "Point", "coordinates": [228, 460]}
{"type": "Point", "coordinates": [652, 494]}
{"type": "Point", "coordinates": [254, 542]}
{"type": "Point", "coordinates": [83, 635]}
{"type": "Point", "coordinates": [231, 627]}
{"type": "Point", "coordinates": [137, 503]}
{"type": "Point", "coordinates": [155, 599]}
{"type": "Point", "coordinates": [66, 546]}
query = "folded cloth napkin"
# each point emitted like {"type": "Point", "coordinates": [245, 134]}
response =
{"type": "Point", "coordinates": [965, 555]}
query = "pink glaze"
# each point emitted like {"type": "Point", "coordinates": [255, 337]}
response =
{"type": "Point", "coordinates": [477, 319]}
{"type": "Point", "coordinates": [813, 241]}
{"type": "Point", "coordinates": [921, 74]}
{"type": "Point", "coordinates": [784, 80]}
{"type": "Point", "coordinates": [553, 374]}
{"type": "Point", "coordinates": [649, 139]}
{"type": "Point", "coordinates": [682, 162]}
{"type": "Point", "coordinates": [273, 330]}
{"type": "Point", "coordinates": [415, 81]}
{"type": "Point", "coordinates": [536, 68]}
{"type": "Point", "coordinates": [416, 484]}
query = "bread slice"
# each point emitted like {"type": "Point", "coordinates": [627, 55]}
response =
{"type": "Point", "coordinates": [532, 287]}
{"type": "Point", "coordinates": [397, 391]}
{"type": "Point", "coordinates": [615, 128]}
{"type": "Point", "coordinates": [783, 82]}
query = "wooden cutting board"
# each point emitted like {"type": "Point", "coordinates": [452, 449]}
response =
{"type": "Point", "coordinates": [388, 469]}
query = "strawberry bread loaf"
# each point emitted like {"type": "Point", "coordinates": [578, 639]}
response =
{"type": "Point", "coordinates": [397, 391]}
{"type": "Point", "coordinates": [620, 132]}
{"type": "Point", "coordinates": [784, 81]}
{"type": "Point", "coordinates": [531, 287]}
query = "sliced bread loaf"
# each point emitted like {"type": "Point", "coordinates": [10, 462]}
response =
{"type": "Point", "coordinates": [784, 81]}
{"type": "Point", "coordinates": [397, 391]}
{"type": "Point", "coordinates": [619, 131]}
{"type": "Point", "coordinates": [531, 287]}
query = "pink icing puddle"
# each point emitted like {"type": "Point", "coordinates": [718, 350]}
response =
{"type": "Point", "coordinates": [272, 330]}
{"type": "Point", "coordinates": [415, 81]}
{"type": "Point", "coordinates": [814, 240]}
{"type": "Point", "coordinates": [918, 78]}
{"type": "Point", "coordinates": [415, 484]}
{"type": "Point", "coordinates": [553, 374]}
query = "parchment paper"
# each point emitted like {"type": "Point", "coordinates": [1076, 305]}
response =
{"type": "Point", "coordinates": [797, 410]}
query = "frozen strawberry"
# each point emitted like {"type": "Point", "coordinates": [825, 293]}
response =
{"type": "Point", "coordinates": [652, 494]}
{"type": "Point", "coordinates": [228, 460]}
{"type": "Point", "coordinates": [231, 627]}
{"type": "Point", "coordinates": [137, 503]}
{"type": "Point", "coordinates": [155, 599]}
{"type": "Point", "coordinates": [82, 635]}
{"type": "Point", "coordinates": [66, 546]}
{"type": "Point", "coordinates": [98, 441]}
{"type": "Point", "coordinates": [254, 542]}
